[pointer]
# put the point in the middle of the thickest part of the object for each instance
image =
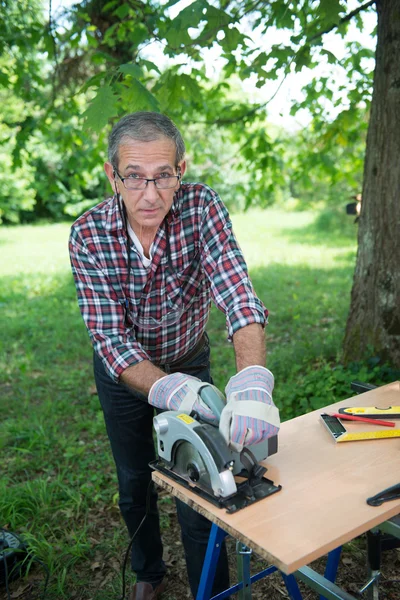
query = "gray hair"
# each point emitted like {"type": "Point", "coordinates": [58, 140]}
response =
{"type": "Point", "coordinates": [144, 126]}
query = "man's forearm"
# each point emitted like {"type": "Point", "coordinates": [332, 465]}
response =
{"type": "Point", "coordinates": [249, 345]}
{"type": "Point", "coordinates": [141, 376]}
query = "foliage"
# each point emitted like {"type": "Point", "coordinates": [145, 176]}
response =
{"type": "Point", "coordinates": [49, 164]}
{"type": "Point", "coordinates": [98, 59]}
{"type": "Point", "coordinates": [330, 154]}
{"type": "Point", "coordinates": [322, 383]}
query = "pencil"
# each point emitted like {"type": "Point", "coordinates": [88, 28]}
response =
{"type": "Point", "coordinates": [364, 420]}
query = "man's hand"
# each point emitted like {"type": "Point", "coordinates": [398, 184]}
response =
{"type": "Point", "coordinates": [180, 392]}
{"type": "Point", "coordinates": [250, 414]}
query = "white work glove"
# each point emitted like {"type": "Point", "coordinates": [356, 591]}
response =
{"type": "Point", "coordinates": [250, 415]}
{"type": "Point", "coordinates": [180, 392]}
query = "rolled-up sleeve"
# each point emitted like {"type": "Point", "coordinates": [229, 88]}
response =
{"type": "Point", "coordinates": [226, 269]}
{"type": "Point", "coordinates": [102, 311]}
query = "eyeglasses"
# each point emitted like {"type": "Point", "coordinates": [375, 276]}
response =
{"type": "Point", "coordinates": [132, 182]}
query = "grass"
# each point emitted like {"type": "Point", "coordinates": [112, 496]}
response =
{"type": "Point", "coordinates": [58, 486]}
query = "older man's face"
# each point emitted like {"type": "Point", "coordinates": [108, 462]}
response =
{"type": "Point", "coordinates": [146, 208]}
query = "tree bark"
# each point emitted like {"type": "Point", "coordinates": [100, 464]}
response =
{"type": "Point", "coordinates": [373, 326]}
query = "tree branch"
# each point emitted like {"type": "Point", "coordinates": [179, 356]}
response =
{"type": "Point", "coordinates": [249, 113]}
{"type": "Point", "coordinates": [351, 14]}
{"type": "Point", "coordinates": [56, 65]}
{"type": "Point", "coordinates": [249, 9]}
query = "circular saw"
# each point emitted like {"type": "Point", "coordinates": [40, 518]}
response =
{"type": "Point", "coordinates": [195, 454]}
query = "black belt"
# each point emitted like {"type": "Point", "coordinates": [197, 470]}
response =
{"type": "Point", "coordinates": [182, 363]}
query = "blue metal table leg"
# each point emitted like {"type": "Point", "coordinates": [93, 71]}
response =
{"type": "Point", "coordinates": [292, 586]}
{"type": "Point", "coordinates": [217, 535]}
{"type": "Point", "coordinates": [216, 538]}
{"type": "Point", "coordinates": [332, 565]}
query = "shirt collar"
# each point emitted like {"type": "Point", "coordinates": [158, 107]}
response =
{"type": "Point", "coordinates": [177, 202]}
{"type": "Point", "coordinates": [113, 221]}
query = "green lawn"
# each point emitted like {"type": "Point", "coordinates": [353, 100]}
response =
{"type": "Point", "coordinates": [58, 485]}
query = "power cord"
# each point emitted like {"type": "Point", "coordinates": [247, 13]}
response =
{"type": "Point", "coordinates": [148, 495]}
{"type": "Point", "coordinates": [19, 565]}
{"type": "Point", "coordinates": [5, 568]}
{"type": "Point", "coordinates": [44, 566]}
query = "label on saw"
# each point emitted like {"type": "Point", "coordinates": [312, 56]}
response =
{"type": "Point", "coordinates": [185, 418]}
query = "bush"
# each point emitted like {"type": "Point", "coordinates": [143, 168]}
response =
{"type": "Point", "coordinates": [324, 383]}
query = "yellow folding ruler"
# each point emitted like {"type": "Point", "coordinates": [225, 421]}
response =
{"type": "Point", "coordinates": [340, 434]}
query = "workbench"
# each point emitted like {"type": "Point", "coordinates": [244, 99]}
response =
{"type": "Point", "coordinates": [322, 503]}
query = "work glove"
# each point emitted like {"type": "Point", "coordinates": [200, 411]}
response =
{"type": "Point", "coordinates": [180, 392]}
{"type": "Point", "coordinates": [250, 415]}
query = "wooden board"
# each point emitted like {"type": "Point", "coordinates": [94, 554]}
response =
{"type": "Point", "coordinates": [322, 503]}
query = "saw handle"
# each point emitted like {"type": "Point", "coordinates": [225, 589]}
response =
{"type": "Point", "coordinates": [215, 401]}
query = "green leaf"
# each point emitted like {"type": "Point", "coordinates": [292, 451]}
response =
{"type": "Point", "coordinates": [150, 66]}
{"type": "Point", "coordinates": [99, 58]}
{"type": "Point", "coordinates": [130, 69]}
{"type": "Point", "coordinates": [191, 16]}
{"type": "Point", "coordinates": [189, 87]}
{"type": "Point", "coordinates": [281, 15]}
{"type": "Point", "coordinates": [173, 89]}
{"type": "Point", "coordinates": [24, 133]}
{"type": "Point", "coordinates": [330, 11]}
{"type": "Point", "coordinates": [136, 97]}
{"type": "Point", "coordinates": [217, 18]}
{"type": "Point", "coordinates": [171, 3]}
{"type": "Point", "coordinates": [177, 34]}
{"type": "Point", "coordinates": [101, 109]}
{"type": "Point", "coordinates": [92, 41]}
{"type": "Point", "coordinates": [303, 58]}
{"type": "Point", "coordinates": [48, 43]}
{"type": "Point", "coordinates": [109, 5]}
{"type": "Point", "coordinates": [4, 80]}
{"type": "Point", "coordinates": [232, 39]}
{"type": "Point", "coordinates": [109, 35]}
{"type": "Point", "coordinates": [330, 56]}
{"type": "Point", "coordinates": [94, 81]}
{"type": "Point", "coordinates": [122, 11]}
{"type": "Point", "coordinates": [138, 35]}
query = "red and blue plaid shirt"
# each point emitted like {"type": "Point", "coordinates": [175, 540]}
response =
{"type": "Point", "coordinates": [207, 264]}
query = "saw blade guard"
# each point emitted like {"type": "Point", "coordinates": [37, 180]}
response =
{"type": "Point", "coordinates": [175, 428]}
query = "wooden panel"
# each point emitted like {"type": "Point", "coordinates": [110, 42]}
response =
{"type": "Point", "coordinates": [322, 503]}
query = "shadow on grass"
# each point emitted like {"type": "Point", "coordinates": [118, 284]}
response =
{"type": "Point", "coordinates": [331, 229]}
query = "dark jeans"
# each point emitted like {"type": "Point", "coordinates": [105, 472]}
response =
{"type": "Point", "coordinates": [129, 422]}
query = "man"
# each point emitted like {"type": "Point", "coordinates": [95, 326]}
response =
{"type": "Point", "coordinates": [147, 263]}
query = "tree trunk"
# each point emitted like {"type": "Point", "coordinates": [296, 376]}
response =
{"type": "Point", "coordinates": [373, 326]}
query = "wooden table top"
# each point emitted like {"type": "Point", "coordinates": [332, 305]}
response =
{"type": "Point", "coordinates": [325, 485]}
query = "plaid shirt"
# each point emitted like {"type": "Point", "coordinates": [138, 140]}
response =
{"type": "Point", "coordinates": [207, 264]}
